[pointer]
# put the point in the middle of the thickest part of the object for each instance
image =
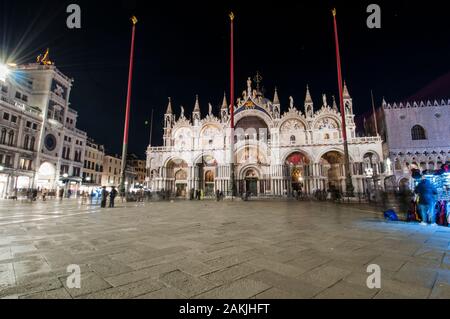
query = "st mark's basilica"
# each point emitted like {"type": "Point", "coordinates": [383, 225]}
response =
{"type": "Point", "coordinates": [274, 153]}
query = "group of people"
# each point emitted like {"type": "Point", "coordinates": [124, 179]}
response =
{"type": "Point", "coordinates": [104, 196]}
{"type": "Point", "coordinates": [428, 208]}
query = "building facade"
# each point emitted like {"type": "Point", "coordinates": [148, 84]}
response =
{"type": "Point", "coordinates": [111, 171]}
{"type": "Point", "coordinates": [274, 153]}
{"type": "Point", "coordinates": [417, 137]}
{"type": "Point", "coordinates": [93, 163]}
{"type": "Point", "coordinates": [139, 168]}
{"type": "Point", "coordinates": [40, 146]}
{"type": "Point", "coordinates": [112, 168]}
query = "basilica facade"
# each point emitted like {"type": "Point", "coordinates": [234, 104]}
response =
{"type": "Point", "coordinates": [272, 153]}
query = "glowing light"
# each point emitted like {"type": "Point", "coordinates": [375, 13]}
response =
{"type": "Point", "coordinates": [66, 175]}
{"type": "Point", "coordinates": [1, 168]}
{"type": "Point", "coordinates": [4, 71]}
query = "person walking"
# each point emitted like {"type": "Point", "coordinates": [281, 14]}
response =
{"type": "Point", "coordinates": [104, 195]}
{"type": "Point", "coordinates": [427, 200]}
{"type": "Point", "coordinates": [112, 197]}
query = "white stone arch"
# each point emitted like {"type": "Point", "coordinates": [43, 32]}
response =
{"type": "Point", "coordinates": [260, 156]}
{"type": "Point", "coordinates": [332, 149]}
{"type": "Point", "coordinates": [198, 158]}
{"type": "Point", "coordinates": [321, 117]}
{"type": "Point", "coordinates": [47, 169]}
{"type": "Point", "coordinates": [295, 118]}
{"type": "Point", "coordinates": [250, 113]}
{"type": "Point", "coordinates": [246, 168]}
{"type": "Point", "coordinates": [217, 139]}
{"type": "Point", "coordinates": [291, 151]}
{"type": "Point", "coordinates": [377, 158]}
{"type": "Point", "coordinates": [183, 137]}
{"type": "Point", "coordinates": [173, 158]}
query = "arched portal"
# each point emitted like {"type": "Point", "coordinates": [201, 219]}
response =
{"type": "Point", "coordinates": [206, 168]}
{"type": "Point", "coordinates": [251, 182]}
{"type": "Point", "coordinates": [297, 163]}
{"type": "Point", "coordinates": [332, 168]}
{"type": "Point", "coordinates": [176, 170]}
{"type": "Point", "coordinates": [46, 176]}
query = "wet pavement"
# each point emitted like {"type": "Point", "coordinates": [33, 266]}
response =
{"type": "Point", "coordinates": [255, 249]}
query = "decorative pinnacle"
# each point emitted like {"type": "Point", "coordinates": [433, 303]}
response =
{"type": "Point", "coordinates": [231, 15]}
{"type": "Point", "coordinates": [134, 20]}
{"type": "Point", "coordinates": [333, 12]}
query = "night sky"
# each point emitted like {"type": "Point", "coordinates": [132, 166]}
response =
{"type": "Point", "coordinates": [182, 49]}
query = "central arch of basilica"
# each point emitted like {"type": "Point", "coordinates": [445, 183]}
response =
{"type": "Point", "coordinates": [274, 153]}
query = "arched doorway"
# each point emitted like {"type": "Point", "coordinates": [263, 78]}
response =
{"type": "Point", "coordinates": [332, 168]}
{"type": "Point", "coordinates": [180, 183]}
{"type": "Point", "coordinates": [46, 176]}
{"type": "Point", "coordinates": [176, 171]}
{"type": "Point", "coordinates": [251, 182]}
{"type": "Point", "coordinates": [206, 174]}
{"type": "Point", "coordinates": [297, 163]}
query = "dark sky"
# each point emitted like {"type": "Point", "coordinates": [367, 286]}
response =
{"type": "Point", "coordinates": [182, 50]}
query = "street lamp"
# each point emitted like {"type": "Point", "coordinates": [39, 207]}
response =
{"type": "Point", "coordinates": [2, 168]}
{"type": "Point", "coordinates": [66, 175]}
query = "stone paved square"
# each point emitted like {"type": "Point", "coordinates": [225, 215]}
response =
{"type": "Point", "coordinates": [205, 249]}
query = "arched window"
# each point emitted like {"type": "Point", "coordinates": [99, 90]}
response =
{"type": "Point", "coordinates": [418, 133]}
{"type": "Point", "coordinates": [3, 136]}
{"type": "Point", "coordinates": [11, 138]}
{"type": "Point", "coordinates": [26, 142]}
{"type": "Point", "coordinates": [293, 139]}
{"type": "Point", "coordinates": [32, 142]}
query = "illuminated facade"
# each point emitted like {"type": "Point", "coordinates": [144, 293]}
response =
{"type": "Point", "coordinates": [39, 143]}
{"type": "Point", "coordinates": [274, 153]}
{"type": "Point", "coordinates": [417, 137]}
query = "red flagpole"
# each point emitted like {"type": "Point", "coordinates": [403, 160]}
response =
{"type": "Point", "coordinates": [232, 70]}
{"type": "Point", "coordinates": [127, 112]}
{"type": "Point", "coordinates": [341, 94]}
{"type": "Point", "coordinates": [348, 180]}
{"type": "Point", "coordinates": [232, 185]}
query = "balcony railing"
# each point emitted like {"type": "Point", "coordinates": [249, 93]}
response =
{"type": "Point", "coordinates": [23, 107]}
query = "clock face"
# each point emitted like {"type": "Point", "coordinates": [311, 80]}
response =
{"type": "Point", "coordinates": [50, 142]}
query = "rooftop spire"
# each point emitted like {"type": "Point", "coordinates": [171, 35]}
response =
{"type": "Point", "coordinates": [346, 94]}
{"type": "Point", "coordinates": [169, 107]}
{"type": "Point", "coordinates": [224, 103]}
{"type": "Point", "coordinates": [334, 104]}
{"type": "Point", "coordinates": [308, 98]}
{"type": "Point", "coordinates": [276, 99]}
{"type": "Point", "coordinates": [197, 104]}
